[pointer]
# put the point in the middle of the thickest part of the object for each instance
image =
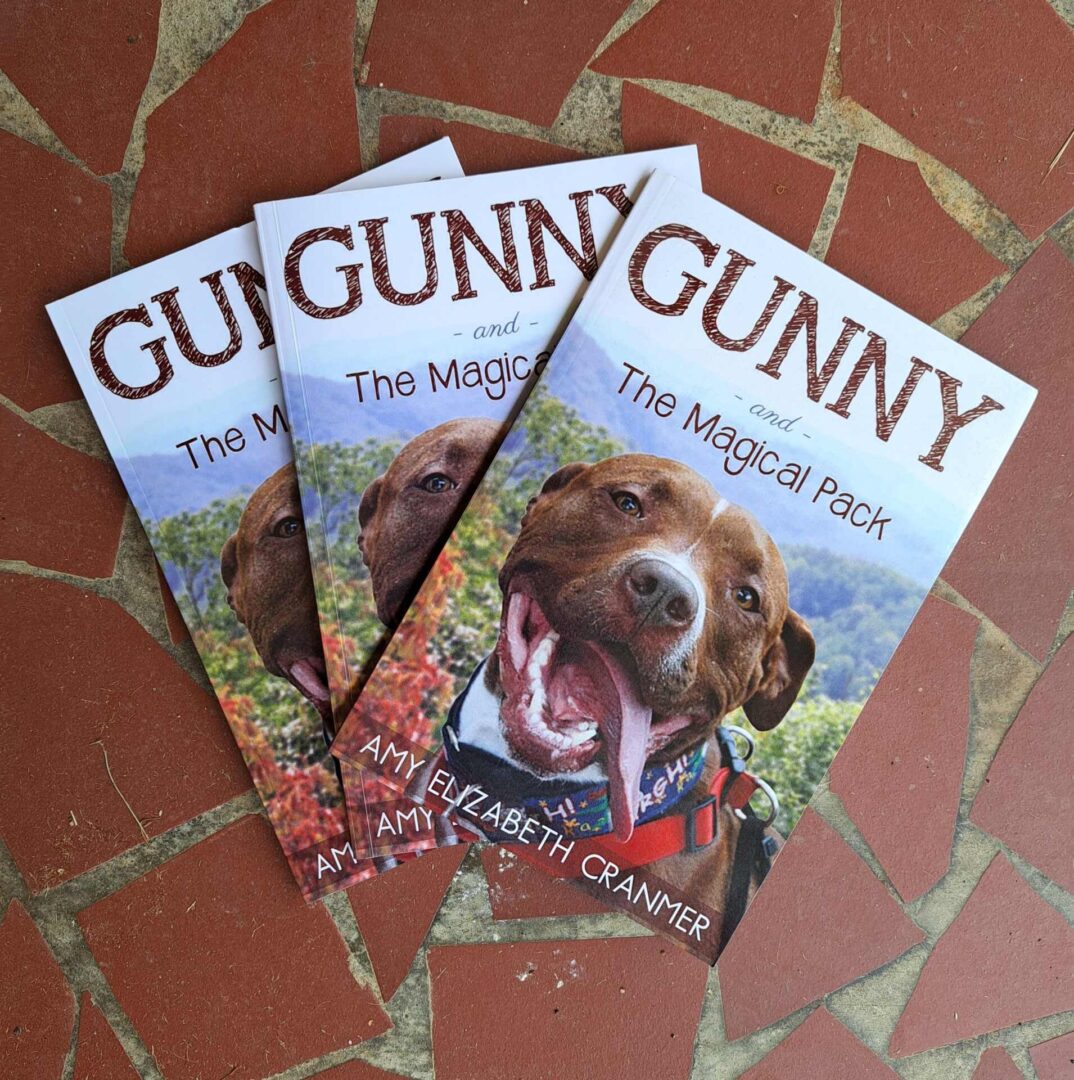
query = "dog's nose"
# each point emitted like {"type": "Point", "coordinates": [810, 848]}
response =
{"type": "Point", "coordinates": [660, 594]}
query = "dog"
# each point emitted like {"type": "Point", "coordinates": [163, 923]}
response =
{"type": "Point", "coordinates": [407, 513]}
{"type": "Point", "coordinates": [266, 569]}
{"type": "Point", "coordinates": [639, 609]}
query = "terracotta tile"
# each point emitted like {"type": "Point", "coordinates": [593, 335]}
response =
{"type": "Point", "coordinates": [217, 145]}
{"type": "Point", "coordinates": [1021, 577]}
{"type": "Point", "coordinates": [99, 1053]}
{"type": "Point", "coordinates": [277, 989]}
{"type": "Point", "coordinates": [169, 748]}
{"type": "Point", "coordinates": [59, 220]}
{"type": "Point", "coordinates": [37, 1010]}
{"type": "Point", "coordinates": [479, 150]}
{"type": "Point", "coordinates": [357, 1070]}
{"type": "Point", "coordinates": [1054, 1060]}
{"type": "Point", "coordinates": [996, 1064]}
{"type": "Point", "coordinates": [894, 237]}
{"type": "Point", "coordinates": [177, 630]}
{"type": "Point", "coordinates": [1007, 958]}
{"type": "Point", "coordinates": [83, 538]}
{"type": "Point", "coordinates": [83, 67]}
{"type": "Point", "coordinates": [771, 52]}
{"type": "Point", "coordinates": [975, 85]}
{"type": "Point", "coordinates": [1033, 768]}
{"type": "Point", "coordinates": [518, 890]}
{"type": "Point", "coordinates": [821, 920]}
{"type": "Point", "coordinates": [395, 910]}
{"type": "Point", "coordinates": [518, 59]}
{"type": "Point", "coordinates": [907, 750]}
{"type": "Point", "coordinates": [613, 1008]}
{"type": "Point", "coordinates": [820, 1046]}
{"type": "Point", "coordinates": [777, 189]}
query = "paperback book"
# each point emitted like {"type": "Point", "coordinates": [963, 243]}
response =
{"type": "Point", "coordinates": [177, 361]}
{"type": "Point", "coordinates": [687, 565]}
{"type": "Point", "coordinates": [410, 324]}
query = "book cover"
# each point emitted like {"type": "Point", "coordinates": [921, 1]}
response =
{"type": "Point", "coordinates": [177, 361]}
{"type": "Point", "coordinates": [409, 324]}
{"type": "Point", "coordinates": [693, 555]}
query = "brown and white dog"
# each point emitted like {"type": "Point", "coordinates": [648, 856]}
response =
{"type": "Point", "coordinates": [639, 609]}
{"type": "Point", "coordinates": [265, 566]}
{"type": "Point", "coordinates": [407, 513]}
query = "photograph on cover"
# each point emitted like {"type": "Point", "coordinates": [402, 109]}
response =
{"type": "Point", "coordinates": [177, 360]}
{"type": "Point", "coordinates": [411, 326]}
{"type": "Point", "coordinates": [234, 552]}
{"type": "Point", "coordinates": [684, 572]}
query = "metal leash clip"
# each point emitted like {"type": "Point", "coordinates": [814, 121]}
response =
{"type": "Point", "coordinates": [746, 737]}
{"type": "Point", "coordinates": [770, 795]}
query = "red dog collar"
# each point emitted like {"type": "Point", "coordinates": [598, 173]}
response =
{"type": "Point", "coordinates": [687, 831]}
{"type": "Point", "coordinates": [672, 834]}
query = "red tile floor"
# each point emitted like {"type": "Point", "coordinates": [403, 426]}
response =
{"type": "Point", "coordinates": [919, 923]}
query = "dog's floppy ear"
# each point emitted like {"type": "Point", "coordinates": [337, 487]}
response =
{"type": "Point", "coordinates": [366, 509]}
{"type": "Point", "coordinates": [786, 666]}
{"type": "Point", "coordinates": [556, 482]}
{"type": "Point", "coordinates": [229, 565]}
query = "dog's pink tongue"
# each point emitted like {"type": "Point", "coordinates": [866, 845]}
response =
{"type": "Point", "coordinates": [626, 737]}
{"type": "Point", "coordinates": [311, 682]}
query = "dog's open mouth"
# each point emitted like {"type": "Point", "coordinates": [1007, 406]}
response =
{"type": "Point", "coordinates": [310, 678]}
{"type": "Point", "coordinates": [569, 702]}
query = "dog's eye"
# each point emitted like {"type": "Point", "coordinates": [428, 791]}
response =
{"type": "Point", "coordinates": [288, 526]}
{"type": "Point", "coordinates": [437, 483]}
{"type": "Point", "coordinates": [627, 502]}
{"type": "Point", "coordinates": [747, 598]}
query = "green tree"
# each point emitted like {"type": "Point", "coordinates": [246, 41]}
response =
{"type": "Point", "coordinates": [191, 542]}
{"type": "Point", "coordinates": [555, 435]}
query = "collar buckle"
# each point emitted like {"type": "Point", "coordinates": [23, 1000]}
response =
{"type": "Point", "coordinates": [730, 758]}
{"type": "Point", "coordinates": [690, 826]}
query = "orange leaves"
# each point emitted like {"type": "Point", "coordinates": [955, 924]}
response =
{"type": "Point", "coordinates": [294, 796]}
{"type": "Point", "coordinates": [411, 692]}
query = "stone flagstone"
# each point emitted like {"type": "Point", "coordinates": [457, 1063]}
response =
{"type": "Point", "coordinates": [99, 1054]}
{"type": "Point", "coordinates": [893, 237]}
{"type": "Point", "coordinates": [1015, 561]}
{"type": "Point", "coordinates": [820, 1047]}
{"type": "Point", "coordinates": [996, 1064]}
{"type": "Point", "coordinates": [395, 910]}
{"type": "Point", "coordinates": [899, 773]}
{"type": "Point", "coordinates": [83, 67]}
{"type": "Point", "coordinates": [1027, 799]}
{"type": "Point", "coordinates": [603, 1010]}
{"type": "Point", "coordinates": [59, 220]}
{"type": "Point", "coordinates": [1007, 958]}
{"type": "Point", "coordinates": [269, 116]}
{"type": "Point", "coordinates": [221, 965]}
{"type": "Point", "coordinates": [771, 52]}
{"type": "Point", "coordinates": [779, 190]}
{"type": "Point", "coordinates": [975, 85]}
{"type": "Point", "coordinates": [36, 1007]}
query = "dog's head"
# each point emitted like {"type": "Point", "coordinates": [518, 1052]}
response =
{"type": "Point", "coordinates": [265, 566]}
{"type": "Point", "coordinates": [639, 609]}
{"type": "Point", "coordinates": [406, 514]}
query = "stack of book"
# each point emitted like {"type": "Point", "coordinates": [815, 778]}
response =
{"type": "Point", "coordinates": [562, 508]}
